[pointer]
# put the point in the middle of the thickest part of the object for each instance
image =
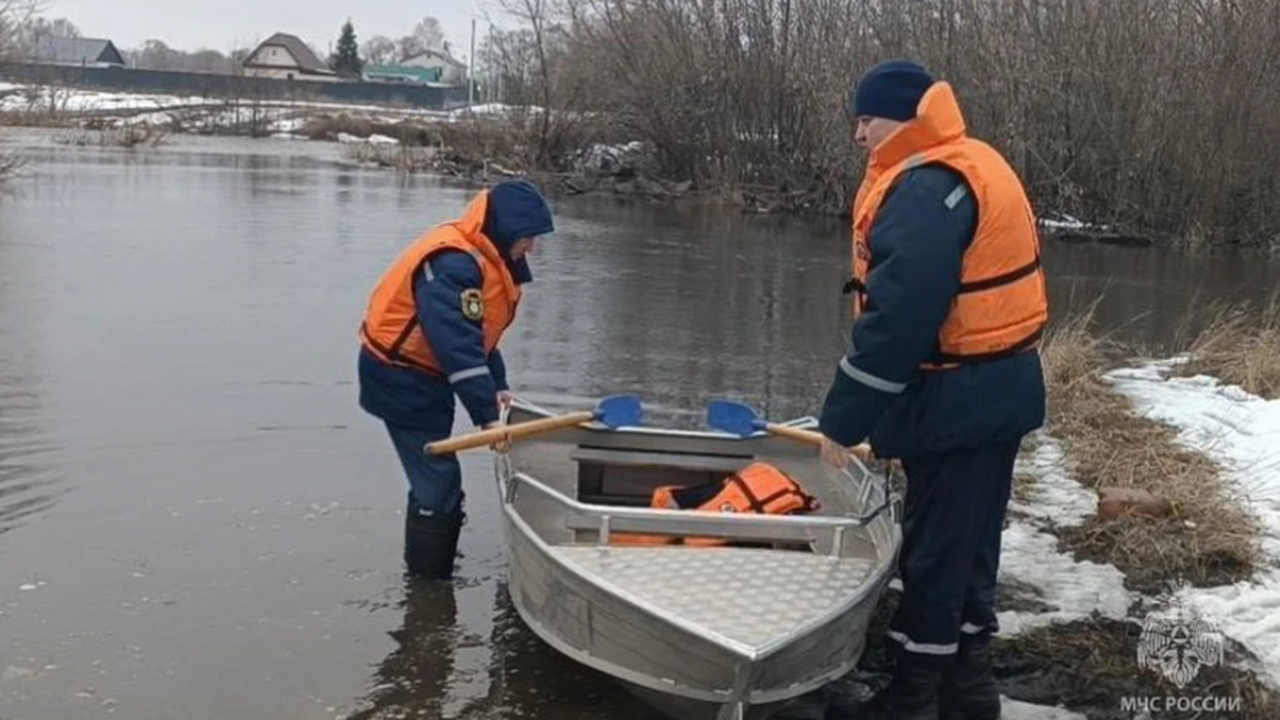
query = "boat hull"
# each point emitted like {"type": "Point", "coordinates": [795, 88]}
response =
{"type": "Point", "coordinates": [635, 613]}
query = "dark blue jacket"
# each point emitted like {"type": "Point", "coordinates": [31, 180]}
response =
{"type": "Point", "coordinates": [415, 399]}
{"type": "Point", "coordinates": [917, 244]}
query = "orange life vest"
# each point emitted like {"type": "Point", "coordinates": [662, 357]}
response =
{"type": "Point", "coordinates": [757, 488]}
{"type": "Point", "coordinates": [1002, 305]}
{"type": "Point", "coordinates": [391, 330]}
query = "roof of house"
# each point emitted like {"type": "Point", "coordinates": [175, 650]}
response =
{"type": "Point", "coordinates": [75, 50]}
{"type": "Point", "coordinates": [420, 74]}
{"type": "Point", "coordinates": [302, 54]}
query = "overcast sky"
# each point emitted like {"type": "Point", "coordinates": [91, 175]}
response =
{"type": "Point", "coordinates": [223, 24]}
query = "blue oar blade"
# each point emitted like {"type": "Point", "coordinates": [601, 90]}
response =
{"type": "Point", "coordinates": [618, 411]}
{"type": "Point", "coordinates": [733, 417]}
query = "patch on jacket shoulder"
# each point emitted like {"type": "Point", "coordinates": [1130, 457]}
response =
{"type": "Point", "coordinates": [472, 304]}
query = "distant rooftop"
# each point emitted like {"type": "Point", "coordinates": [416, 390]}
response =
{"type": "Point", "coordinates": [75, 51]}
{"type": "Point", "coordinates": [302, 54]}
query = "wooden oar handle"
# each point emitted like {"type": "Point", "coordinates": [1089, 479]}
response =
{"type": "Point", "coordinates": [863, 451]}
{"type": "Point", "coordinates": [507, 432]}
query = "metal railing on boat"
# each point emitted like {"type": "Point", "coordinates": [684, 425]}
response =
{"type": "Point", "coordinates": [606, 520]}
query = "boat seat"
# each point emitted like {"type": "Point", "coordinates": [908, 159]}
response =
{"type": "Point", "coordinates": [608, 476]}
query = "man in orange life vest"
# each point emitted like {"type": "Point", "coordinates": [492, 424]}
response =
{"type": "Point", "coordinates": [431, 331]}
{"type": "Point", "coordinates": [944, 375]}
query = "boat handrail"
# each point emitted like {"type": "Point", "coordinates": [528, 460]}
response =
{"type": "Point", "coordinates": [609, 519]}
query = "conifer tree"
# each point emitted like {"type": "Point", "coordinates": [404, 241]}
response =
{"type": "Point", "coordinates": [346, 60]}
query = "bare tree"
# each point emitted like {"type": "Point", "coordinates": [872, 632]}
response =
{"type": "Point", "coordinates": [426, 35]}
{"type": "Point", "coordinates": [534, 14]}
{"type": "Point", "coordinates": [28, 32]}
{"type": "Point", "coordinates": [14, 16]}
{"type": "Point", "coordinates": [1146, 113]}
{"type": "Point", "coordinates": [380, 50]}
{"type": "Point", "coordinates": [156, 55]}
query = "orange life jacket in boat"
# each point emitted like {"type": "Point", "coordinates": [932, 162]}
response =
{"type": "Point", "coordinates": [1002, 306]}
{"type": "Point", "coordinates": [391, 330]}
{"type": "Point", "coordinates": [757, 488]}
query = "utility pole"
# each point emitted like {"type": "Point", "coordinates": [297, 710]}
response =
{"type": "Point", "coordinates": [471, 66]}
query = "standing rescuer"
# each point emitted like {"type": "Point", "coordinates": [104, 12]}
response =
{"type": "Point", "coordinates": [431, 331]}
{"type": "Point", "coordinates": [944, 375]}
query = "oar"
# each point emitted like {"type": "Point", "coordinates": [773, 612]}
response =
{"type": "Point", "coordinates": [614, 411]}
{"type": "Point", "coordinates": [739, 419]}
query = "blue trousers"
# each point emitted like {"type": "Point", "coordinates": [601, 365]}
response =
{"type": "Point", "coordinates": [435, 481]}
{"type": "Point", "coordinates": [954, 514]}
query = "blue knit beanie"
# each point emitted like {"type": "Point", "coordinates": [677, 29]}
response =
{"type": "Point", "coordinates": [516, 210]}
{"type": "Point", "coordinates": [891, 90]}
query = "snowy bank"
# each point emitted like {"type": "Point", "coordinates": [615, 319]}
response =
{"type": "Point", "coordinates": [1030, 555]}
{"type": "Point", "coordinates": [14, 98]}
{"type": "Point", "coordinates": [1241, 432]}
{"type": "Point", "coordinates": [193, 113]}
{"type": "Point", "coordinates": [1063, 221]}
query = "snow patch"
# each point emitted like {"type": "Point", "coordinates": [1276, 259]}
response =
{"type": "Point", "coordinates": [1017, 710]}
{"type": "Point", "coordinates": [1030, 554]}
{"type": "Point", "coordinates": [1055, 496]}
{"type": "Point", "coordinates": [1241, 432]}
{"type": "Point", "coordinates": [289, 126]}
{"type": "Point", "coordinates": [15, 97]}
{"type": "Point", "coordinates": [1063, 221]}
{"type": "Point", "coordinates": [1074, 588]}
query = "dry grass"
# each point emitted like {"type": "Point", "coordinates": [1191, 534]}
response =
{"type": "Point", "coordinates": [1086, 666]}
{"type": "Point", "coordinates": [1210, 539]}
{"type": "Point", "coordinates": [478, 142]}
{"type": "Point", "coordinates": [1240, 345]}
{"type": "Point", "coordinates": [1089, 665]}
{"type": "Point", "coordinates": [35, 119]}
{"type": "Point", "coordinates": [453, 148]}
{"type": "Point", "coordinates": [1024, 481]}
{"type": "Point", "coordinates": [401, 157]}
{"type": "Point", "coordinates": [125, 136]}
{"type": "Point", "coordinates": [328, 127]}
{"type": "Point", "coordinates": [11, 161]}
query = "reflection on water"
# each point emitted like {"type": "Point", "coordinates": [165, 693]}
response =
{"type": "Point", "coordinates": [416, 674]}
{"type": "Point", "coordinates": [1144, 296]}
{"type": "Point", "coordinates": [180, 441]}
{"type": "Point", "coordinates": [426, 675]}
{"type": "Point", "coordinates": [27, 482]}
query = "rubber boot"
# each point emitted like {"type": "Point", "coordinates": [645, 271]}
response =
{"type": "Point", "coordinates": [969, 689]}
{"type": "Point", "coordinates": [431, 540]}
{"type": "Point", "coordinates": [912, 694]}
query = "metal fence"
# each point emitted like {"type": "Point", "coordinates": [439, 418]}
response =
{"type": "Point", "coordinates": [114, 79]}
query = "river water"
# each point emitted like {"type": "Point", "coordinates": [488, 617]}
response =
{"type": "Point", "coordinates": [196, 519]}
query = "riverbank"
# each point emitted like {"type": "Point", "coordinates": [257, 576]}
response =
{"type": "Point", "coordinates": [476, 145]}
{"type": "Point", "coordinates": [1160, 485]}
{"type": "Point", "coordinates": [1140, 556]}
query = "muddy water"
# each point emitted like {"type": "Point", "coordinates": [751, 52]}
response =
{"type": "Point", "coordinates": [197, 521]}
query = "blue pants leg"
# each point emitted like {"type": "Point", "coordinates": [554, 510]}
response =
{"type": "Point", "coordinates": [953, 516]}
{"type": "Point", "coordinates": [435, 482]}
{"type": "Point", "coordinates": [978, 614]}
